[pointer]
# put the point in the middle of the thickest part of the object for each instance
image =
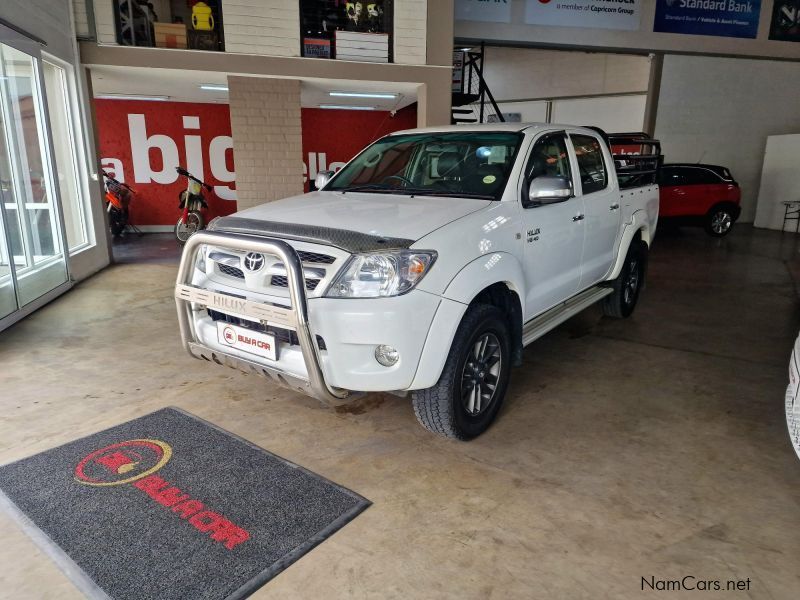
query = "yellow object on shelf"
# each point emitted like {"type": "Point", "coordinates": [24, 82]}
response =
{"type": "Point", "coordinates": [202, 19]}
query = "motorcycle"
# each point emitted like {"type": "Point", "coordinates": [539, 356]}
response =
{"type": "Point", "coordinates": [118, 199]}
{"type": "Point", "coordinates": [192, 203]}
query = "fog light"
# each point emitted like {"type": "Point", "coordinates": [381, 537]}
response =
{"type": "Point", "coordinates": [386, 355]}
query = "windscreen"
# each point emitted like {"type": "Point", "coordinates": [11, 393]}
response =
{"type": "Point", "coordinates": [472, 164]}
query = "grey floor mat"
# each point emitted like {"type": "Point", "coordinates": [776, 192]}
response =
{"type": "Point", "coordinates": [169, 506]}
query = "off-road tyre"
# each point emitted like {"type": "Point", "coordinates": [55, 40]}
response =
{"type": "Point", "coordinates": [442, 408]}
{"type": "Point", "coordinates": [117, 221]}
{"type": "Point", "coordinates": [195, 223]}
{"type": "Point", "coordinates": [627, 287]}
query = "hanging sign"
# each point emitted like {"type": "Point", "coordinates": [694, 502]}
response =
{"type": "Point", "coordinates": [785, 25]}
{"type": "Point", "coordinates": [725, 18]}
{"type": "Point", "coordinates": [600, 14]}
{"type": "Point", "coordinates": [495, 11]}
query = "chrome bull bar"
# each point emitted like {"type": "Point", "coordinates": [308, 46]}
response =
{"type": "Point", "coordinates": [295, 317]}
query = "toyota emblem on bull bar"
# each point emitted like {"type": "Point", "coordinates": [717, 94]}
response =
{"type": "Point", "coordinates": [253, 261]}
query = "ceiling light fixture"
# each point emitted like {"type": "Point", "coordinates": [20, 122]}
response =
{"type": "Point", "coordinates": [379, 95]}
{"type": "Point", "coordinates": [347, 107]}
{"type": "Point", "coordinates": [132, 97]}
{"type": "Point", "coordinates": [214, 87]}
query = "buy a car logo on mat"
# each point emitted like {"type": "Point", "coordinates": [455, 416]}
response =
{"type": "Point", "coordinates": [135, 462]}
{"type": "Point", "coordinates": [122, 463]}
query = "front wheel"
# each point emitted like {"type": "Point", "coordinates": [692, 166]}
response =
{"type": "Point", "coordinates": [626, 288]}
{"type": "Point", "coordinates": [470, 391]}
{"type": "Point", "coordinates": [193, 224]}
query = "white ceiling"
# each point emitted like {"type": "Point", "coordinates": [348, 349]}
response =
{"type": "Point", "coordinates": [184, 86]}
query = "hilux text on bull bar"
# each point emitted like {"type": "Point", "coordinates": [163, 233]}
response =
{"type": "Point", "coordinates": [295, 317]}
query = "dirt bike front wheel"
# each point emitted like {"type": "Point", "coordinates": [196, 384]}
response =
{"type": "Point", "coordinates": [184, 230]}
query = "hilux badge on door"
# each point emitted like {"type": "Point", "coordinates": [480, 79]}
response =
{"type": "Point", "coordinates": [253, 261]}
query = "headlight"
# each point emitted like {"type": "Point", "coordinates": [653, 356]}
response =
{"type": "Point", "coordinates": [201, 258]}
{"type": "Point", "coordinates": [381, 274]}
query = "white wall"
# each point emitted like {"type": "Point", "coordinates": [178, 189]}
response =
{"type": "Point", "coordinates": [104, 22]}
{"type": "Point", "coordinates": [410, 29]}
{"type": "Point", "coordinates": [81, 18]}
{"type": "Point", "coordinates": [721, 110]}
{"type": "Point", "coordinates": [611, 113]}
{"type": "Point", "coordinates": [269, 27]}
{"type": "Point", "coordinates": [526, 73]}
{"type": "Point", "coordinates": [778, 182]}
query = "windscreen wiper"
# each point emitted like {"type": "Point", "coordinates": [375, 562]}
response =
{"type": "Point", "coordinates": [367, 187]}
{"type": "Point", "coordinates": [454, 194]}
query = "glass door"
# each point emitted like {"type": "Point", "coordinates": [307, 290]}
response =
{"type": "Point", "coordinates": [32, 256]}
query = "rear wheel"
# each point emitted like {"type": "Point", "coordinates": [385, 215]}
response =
{"type": "Point", "coordinates": [193, 224]}
{"type": "Point", "coordinates": [621, 302]}
{"type": "Point", "coordinates": [117, 222]}
{"type": "Point", "coordinates": [719, 221]}
{"type": "Point", "coordinates": [470, 391]}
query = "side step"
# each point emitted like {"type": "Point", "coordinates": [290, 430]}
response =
{"type": "Point", "coordinates": [537, 327]}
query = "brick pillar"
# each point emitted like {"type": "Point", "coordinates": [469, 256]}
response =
{"type": "Point", "coordinates": [267, 139]}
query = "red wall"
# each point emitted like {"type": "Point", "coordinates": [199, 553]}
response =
{"type": "Point", "coordinates": [167, 134]}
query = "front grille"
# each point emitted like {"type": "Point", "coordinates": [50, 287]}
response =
{"type": "Point", "coordinates": [314, 257]}
{"type": "Point", "coordinates": [282, 335]}
{"type": "Point", "coordinates": [282, 281]}
{"type": "Point", "coordinates": [231, 271]}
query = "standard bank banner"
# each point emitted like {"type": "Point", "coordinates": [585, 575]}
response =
{"type": "Point", "coordinates": [601, 14]}
{"type": "Point", "coordinates": [726, 18]}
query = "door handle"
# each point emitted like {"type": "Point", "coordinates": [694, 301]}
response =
{"type": "Point", "coordinates": [614, 206]}
{"type": "Point", "coordinates": [578, 217]}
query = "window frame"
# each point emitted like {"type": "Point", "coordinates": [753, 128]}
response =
{"type": "Point", "coordinates": [526, 181]}
{"type": "Point", "coordinates": [79, 153]}
{"type": "Point", "coordinates": [606, 171]}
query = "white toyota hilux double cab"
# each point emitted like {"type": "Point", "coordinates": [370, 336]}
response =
{"type": "Point", "coordinates": [425, 265]}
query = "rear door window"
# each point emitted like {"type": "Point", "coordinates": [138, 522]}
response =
{"type": "Point", "coordinates": [700, 176]}
{"type": "Point", "coordinates": [591, 166]}
{"type": "Point", "coordinates": [672, 177]}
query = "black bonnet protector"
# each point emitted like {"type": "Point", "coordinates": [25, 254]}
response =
{"type": "Point", "coordinates": [350, 241]}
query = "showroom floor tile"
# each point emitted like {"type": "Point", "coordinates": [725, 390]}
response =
{"type": "Point", "coordinates": [654, 446]}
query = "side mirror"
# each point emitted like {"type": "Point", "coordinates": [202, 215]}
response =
{"type": "Point", "coordinates": [548, 190]}
{"type": "Point", "coordinates": [323, 177]}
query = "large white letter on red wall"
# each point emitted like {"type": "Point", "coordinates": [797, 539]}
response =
{"type": "Point", "coordinates": [140, 151]}
{"type": "Point", "coordinates": [218, 159]}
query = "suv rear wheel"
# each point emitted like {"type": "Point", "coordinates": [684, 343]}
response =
{"type": "Point", "coordinates": [470, 391]}
{"type": "Point", "coordinates": [719, 221]}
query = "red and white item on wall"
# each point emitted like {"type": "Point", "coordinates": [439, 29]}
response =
{"type": "Point", "coordinates": [141, 143]}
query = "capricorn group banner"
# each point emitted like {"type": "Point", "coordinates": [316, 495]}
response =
{"type": "Point", "coordinates": [726, 18]}
{"type": "Point", "coordinates": [142, 142]}
{"type": "Point", "coordinates": [601, 14]}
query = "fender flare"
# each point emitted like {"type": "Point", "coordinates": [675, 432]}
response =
{"type": "Point", "coordinates": [476, 276]}
{"type": "Point", "coordinates": [484, 271]}
{"type": "Point", "coordinates": [638, 226]}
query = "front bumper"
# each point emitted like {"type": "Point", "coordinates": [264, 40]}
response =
{"type": "Point", "coordinates": [350, 328]}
